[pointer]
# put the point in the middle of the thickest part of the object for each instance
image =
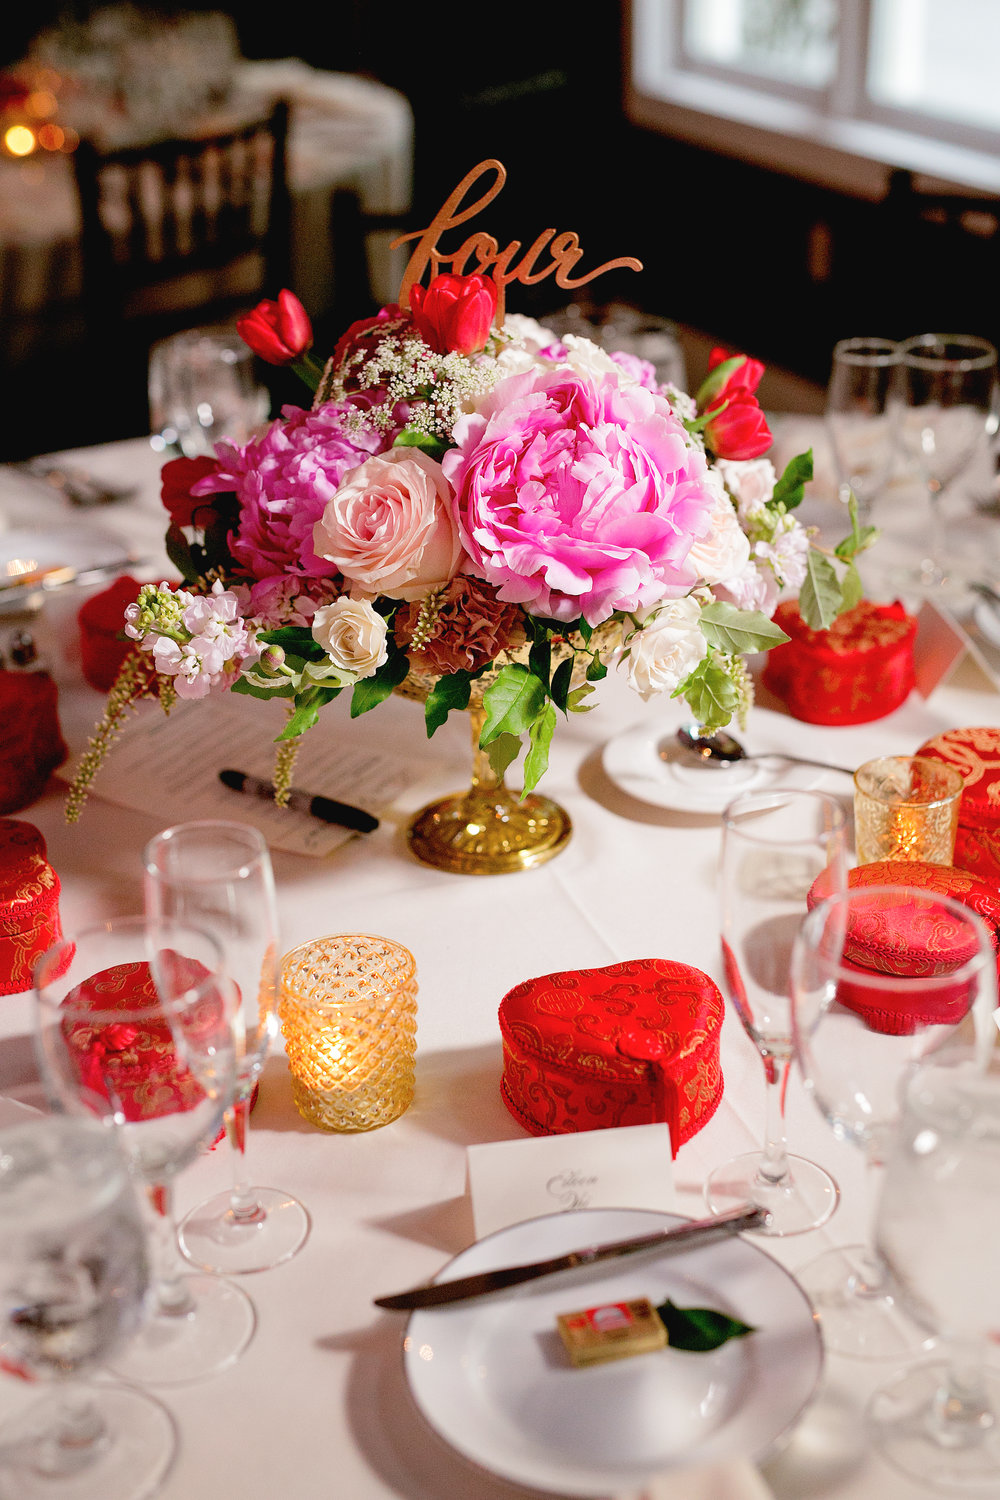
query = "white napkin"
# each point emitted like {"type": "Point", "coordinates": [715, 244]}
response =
{"type": "Point", "coordinates": [736, 1480]}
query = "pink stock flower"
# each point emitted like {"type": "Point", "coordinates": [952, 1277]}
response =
{"type": "Point", "coordinates": [283, 481]}
{"type": "Point", "coordinates": [577, 498]}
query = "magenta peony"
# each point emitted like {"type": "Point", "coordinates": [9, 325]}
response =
{"type": "Point", "coordinates": [577, 498]}
{"type": "Point", "coordinates": [283, 481]}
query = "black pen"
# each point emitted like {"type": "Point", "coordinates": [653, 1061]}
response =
{"type": "Point", "coordinates": [317, 807]}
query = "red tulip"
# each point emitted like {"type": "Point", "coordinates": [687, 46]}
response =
{"type": "Point", "coordinates": [454, 313]}
{"type": "Point", "coordinates": [177, 479]}
{"type": "Point", "coordinates": [738, 428]}
{"type": "Point", "coordinates": [727, 371]}
{"type": "Point", "coordinates": [280, 332]}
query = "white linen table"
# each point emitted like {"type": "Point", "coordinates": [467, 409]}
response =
{"type": "Point", "coordinates": [317, 1407]}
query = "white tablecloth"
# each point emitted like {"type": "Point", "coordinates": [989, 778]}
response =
{"type": "Point", "coordinates": [317, 1407]}
{"type": "Point", "coordinates": [346, 132]}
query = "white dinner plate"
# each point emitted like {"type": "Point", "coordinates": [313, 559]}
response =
{"type": "Point", "coordinates": [491, 1376]}
{"type": "Point", "coordinates": [634, 763]}
{"type": "Point", "coordinates": [80, 547]}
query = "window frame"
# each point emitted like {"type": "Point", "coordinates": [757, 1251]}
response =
{"type": "Point", "coordinates": [836, 136]}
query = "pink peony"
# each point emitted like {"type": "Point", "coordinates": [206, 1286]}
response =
{"type": "Point", "coordinates": [578, 498]}
{"type": "Point", "coordinates": [390, 527]}
{"type": "Point", "coordinates": [283, 480]}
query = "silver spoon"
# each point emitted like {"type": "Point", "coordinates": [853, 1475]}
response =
{"type": "Point", "coordinates": [719, 750]}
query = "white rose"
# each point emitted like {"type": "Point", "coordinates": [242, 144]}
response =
{"type": "Point", "coordinates": [666, 648]}
{"type": "Point", "coordinates": [527, 333]}
{"type": "Point", "coordinates": [352, 634]}
{"type": "Point", "coordinates": [725, 551]}
{"type": "Point", "coordinates": [588, 359]}
{"type": "Point", "coordinates": [750, 481]}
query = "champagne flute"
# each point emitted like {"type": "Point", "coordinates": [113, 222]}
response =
{"type": "Point", "coordinates": [859, 417]}
{"type": "Point", "coordinates": [858, 1032]}
{"type": "Point", "coordinates": [105, 1023]}
{"type": "Point", "coordinates": [775, 844]}
{"type": "Point", "coordinates": [937, 1226]}
{"type": "Point", "coordinates": [947, 408]}
{"type": "Point", "coordinates": [73, 1276]}
{"type": "Point", "coordinates": [218, 875]}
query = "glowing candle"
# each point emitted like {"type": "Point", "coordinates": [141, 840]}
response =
{"type": "Point", "coordinates": [906, 808]}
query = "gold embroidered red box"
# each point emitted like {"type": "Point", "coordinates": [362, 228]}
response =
{"type": "Point", "coordinates": [636, 1043]}
{"type": "Point", "coordinates": [976, 754]}
{"type": "Point", "coordinates": [29, 904]}
{"type": "Point", "coordinates": [858, 670]}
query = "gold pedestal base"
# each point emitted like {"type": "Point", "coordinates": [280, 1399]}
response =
{"type": "Point", "coordinates": [489, 831]}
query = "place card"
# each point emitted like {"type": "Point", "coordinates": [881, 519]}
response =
{"type": "Point", "coordinates": [942, 642]}
{"type": "Point", "coordinates": [627, 1167]}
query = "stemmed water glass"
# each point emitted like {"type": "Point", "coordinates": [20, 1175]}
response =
{"type": "Point", "coordinates": [106, 1022]}
{"type": "Point", "coordinates": [73, 1276]}
{"type": "Point", "coordinates": [218, 875]}
{"type": "Point", "coordinates": [775, 845]}
{"type": "Point", "coordinates": [858, 1032]}
{"type": "Point", "coordinates": [937, 1226]}
{"type": "Point", "coordinates": [859, 416]}
{"type": "Point", "coordinates": [946, 407]}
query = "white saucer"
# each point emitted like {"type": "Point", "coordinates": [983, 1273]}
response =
{"type": "Point", "coordinates": [491, 1376]}
{"type": "Point", "coordinates": [635, 763]}
{"type": "Point", "coordinates": [79, 547]}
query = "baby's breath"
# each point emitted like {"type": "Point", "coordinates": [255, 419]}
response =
{"type": "Point", "coordinates": [437, 388]}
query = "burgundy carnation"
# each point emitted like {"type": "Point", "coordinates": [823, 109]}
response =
{"type": "Point", "coordinates": [472, 627]}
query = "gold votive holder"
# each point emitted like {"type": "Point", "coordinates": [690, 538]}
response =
{"type": "Point", "coordinates": [348, 1014]}
{"type": "Point", "coordinates": [906, 808]}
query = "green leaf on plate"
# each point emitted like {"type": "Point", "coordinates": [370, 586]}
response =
{"type": "Point", "coordinates": [699, 1329]}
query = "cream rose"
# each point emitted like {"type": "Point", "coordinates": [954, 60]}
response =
{"type": "Point", "coordinates": [750, 481]}
{"type": "Point", "coordinates": [725, 551]}
{"type": "Point", "coordinates": [665, 649]}
{"type": "Point", "coordinates": [390, 526]}
{"type": "Point", "coordinates": [353, 636]}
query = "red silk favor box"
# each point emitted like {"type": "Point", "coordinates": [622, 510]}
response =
{"type": "Point", "coordinates": [29, 904]}
{"type": "Point", "coordinates": [31, 745]}
{"type": "Point", "coordinates": [858, 670]}
{"type": "Point", "coordinates": [101, 619]}
{"type": "Point", "coordinates": [976, 754]}
{"type": "Point", "coordinates": [880, 940]}
{"type": "Point", "coordinates": [635, 1043]}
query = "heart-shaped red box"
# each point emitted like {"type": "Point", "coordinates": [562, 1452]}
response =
{"type": "Point", "coordinates": [635, 1043]}
{"type": "Point", "coordinates": [29, 904]}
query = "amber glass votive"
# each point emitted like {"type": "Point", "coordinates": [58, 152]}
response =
{"type": "Point", "coordinates": [906, 808]}
{"type": "Point", "coordinates": [349, 1018]}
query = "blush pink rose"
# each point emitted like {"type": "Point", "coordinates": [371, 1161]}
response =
{"type": "Point", "coordinates": [390, 528]}
{"type": "Point", "coordinates": [578, 495]}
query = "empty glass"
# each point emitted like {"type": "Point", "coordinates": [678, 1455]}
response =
{"type": "Point", "coordinates": [859, 417]}
{"type": "Point", "coordinates": [202, 388]}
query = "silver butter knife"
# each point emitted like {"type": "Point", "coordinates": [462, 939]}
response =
{"type": "Point", "coordinates": [57, 576]}
{"type": "Point", "coordinates": [682, 1237]}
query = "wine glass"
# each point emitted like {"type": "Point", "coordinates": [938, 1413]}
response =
{"type": "Point", "coordinates": [775, 844]}
{"type": "Point", "coordinates": [859, 417]}
{"type": "Point", "coordinates": [937, 1225]}
{"type": "Point", "coordinates": [858, 1031]}
{"type": "Point", "coordinates": [106, 1019]}
{"type": "Point", "coordinates": [73, 1276]}
{"type": "Point", "coordinates": [218, 875]}
{"type": "Point", "coordinates": [202, 388]}
{"type": "Point", "coordinates": [946, 408]}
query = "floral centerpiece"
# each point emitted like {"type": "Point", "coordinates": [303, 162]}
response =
{"type": "Point", "coordinates": [476, 500]}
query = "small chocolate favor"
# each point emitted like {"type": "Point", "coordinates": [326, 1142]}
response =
{"type": "Point", "coordinates": [613, 1330]}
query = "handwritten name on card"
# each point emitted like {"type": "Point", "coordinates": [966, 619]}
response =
{"type": "Point", "coordinates": [510, 1181]}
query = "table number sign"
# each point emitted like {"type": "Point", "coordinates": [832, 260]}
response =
{"type": "Point", "coordinates": [630, 1167]}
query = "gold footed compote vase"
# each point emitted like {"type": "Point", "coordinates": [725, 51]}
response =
{"type": "Point", "coordinates": [488, 830]}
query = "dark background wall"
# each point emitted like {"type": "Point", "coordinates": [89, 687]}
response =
{"type": "Point", "coordinates": [775, 265]}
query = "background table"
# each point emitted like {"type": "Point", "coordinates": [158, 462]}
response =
{"type": "Point", "coordinates": [317, 1407]}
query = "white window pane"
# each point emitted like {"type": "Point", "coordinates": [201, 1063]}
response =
{"type": "Point", "coordinates": [937, 58]}
{"type": "Point", "coordinates": [792, 41]}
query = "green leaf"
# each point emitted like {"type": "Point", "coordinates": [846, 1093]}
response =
{"type": "Point", "coordinates": [859, 538]}
{"type": "Point", "coordinates": [179, 553]}
{"type": "Point", "coordinates": [562, 677]}
{"type": "Point", "coordinates": [447, 693]}
{"type": "Point", "coordinates": [700, 1329]}
{"type": "Point", "coordinates": [739, 631]}
{"type": "Point", "coordinates": [584, 630]}
{"type": "Point", "coordinates": [716, 379]}
{"type": "Point", "coordinates": [512, 703]}
{"type": "Point", "coordinates": [852, 589]}
{"type": "Point", "coordinates": [502, 753]}
{"type": "Point", "coordinates": [251, 690]}
{"type": "Point", "coordinates": [304, 717]}
{"type": "Point", "coordinates": [371, 691]}
{"type": "Point", "coordinates": [296, 639]}
{"type": "Point", "coordinates": [710, 692]}
{"type": "Point", "coordinates": [575, 702]}
{"type": "Point", "coordinates": [790, 488]}
{"type": "Point", "coordinates": [596, 669]}
{"type": "Point", "coordinates": [821, 595]}
{"type": "Point", "coordinates": [540, 659]}
{"type": "Point", "coordinates": [411, 437]}
{"type": "Point", "coordinates": [537, 759]}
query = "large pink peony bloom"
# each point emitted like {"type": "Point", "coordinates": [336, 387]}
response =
{"type": "Point", "coordinates": [283, 481]}
{"type": "Point", "coordinates": [578, 498]}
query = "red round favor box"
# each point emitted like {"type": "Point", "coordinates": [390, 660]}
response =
{"type": "Point", "coordinates": [975, 753]}
{"type": "Point", "coordinates": [101, 619]}
{"type": "Point", "coordinates": [636, 1043]}
{"type": "Point", "coordinates": [29, 904]}
{"type": "Point", "coordinates": [859, 670]}
{"type": "Point", "coordinates": [32, 745]}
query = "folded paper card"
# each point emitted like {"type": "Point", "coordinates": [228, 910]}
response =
{"type": "Point", "coordinates": [514, 1180]}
